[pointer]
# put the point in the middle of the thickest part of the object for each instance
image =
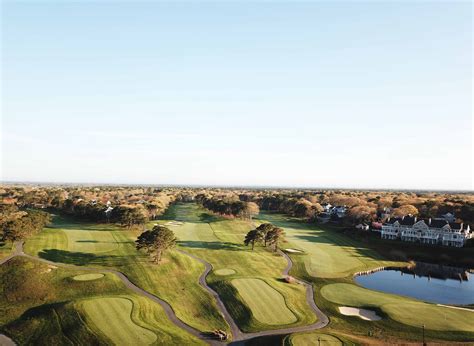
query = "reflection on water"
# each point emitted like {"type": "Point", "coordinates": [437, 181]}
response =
{"type": "Point", "coordinates": [424, 281]}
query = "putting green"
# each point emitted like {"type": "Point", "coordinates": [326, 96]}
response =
{"type": "Point", "coordinates": [112, 316]}
{"type": "Point", "coordinates": [88, 277]}
{"type": "Point", "coordinates": [314, 339]}
{"type": "Point", "coordinates": [401, 309]}
{"type": "Point", "coordinates": [225, 271]}
{"type": "Point", "coordinates": [81, 240]}
{"type": "Point", "coordinates": [267, 304]}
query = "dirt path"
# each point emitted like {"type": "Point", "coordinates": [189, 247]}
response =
{"type": "Point", "coordinates": [237, 334]}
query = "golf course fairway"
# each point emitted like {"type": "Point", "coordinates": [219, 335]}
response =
{"type": "Point", "coordinates": [267, 304]}
{"type": "Point", "coordinates": [112, 316]}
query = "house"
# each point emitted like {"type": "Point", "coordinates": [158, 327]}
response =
{"type": "Point", "coordinates": [426, 231]}
{"type": "Point", "coordinates": [448, 217]}
{"type": "Point", "coordinates": [326, 207]}
{"type": "Point", "coordinates": [324, 217]}
{"type": "Point", "coordinates": [362, 226]}
{"type": "Point", "coordinates": [339, 210]}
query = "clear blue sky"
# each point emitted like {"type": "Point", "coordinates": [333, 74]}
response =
{"type": "Point", "coordinates": [322, 94]}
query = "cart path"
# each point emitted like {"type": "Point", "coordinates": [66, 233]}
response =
{"type": "Point", "coordinates": [130, 285]}
{"type": "Point", "coordinates": [237, 334]}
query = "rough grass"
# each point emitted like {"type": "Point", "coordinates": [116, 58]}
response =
{"type": "Point", "coordinates": [175, 280]}
{"type": "Point", "coordinates": [267, 305]}
{"type": "Point", "coordinates": [5, 249]}
{"type": "Point", "coordinates": [329, 253]}
{"type": "Point", "coordinates": [404, 310]}
{"type": "Point", "coordinates": [113, 317]}
{"type": "Point", "coordinates": [88, 277]}
{"type": "Point", "coordinates": [31, 317]}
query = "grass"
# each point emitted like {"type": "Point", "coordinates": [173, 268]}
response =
{"type": "Point", "coordinates": [329, 253]}
{"type": "Point", "coordinates": [175, 280]}
{"type": "Point", "coordinates": [5, 249]}
{"type": "Point", "coordinates": [401, 309]}
{"type": "Point", "coordinates": [315, 339]}
{"type": "Point", "coordinates": [329, 262]}
{"type": "Point", "coordinates": [267, 305]}
{"type": "Point", "coordinates": [38, 306]}
{"type": "Point", "coordinates": [220, 242]}
{"type": "Point", "coordinates": [224, 271]}
{"type": "Point", "coordinates": [113, 317]}
{"type": "Point", "coordinates": [88, 277]}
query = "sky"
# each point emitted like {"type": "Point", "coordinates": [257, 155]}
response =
{"type": "Point", "coordinates": [297, 94]}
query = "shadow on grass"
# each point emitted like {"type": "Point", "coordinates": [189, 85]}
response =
{"type": "Point", "coordinates": [79, 258]}
{"type": "Point", "coordinates": [210, 245]}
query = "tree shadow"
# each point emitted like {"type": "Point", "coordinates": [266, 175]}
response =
{"type": "Point", "coordinates": [210, 245]}
{"type": "Point", "coordinates": [78, 258]}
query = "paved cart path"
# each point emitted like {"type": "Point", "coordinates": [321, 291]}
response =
{"type": "Point", "coordinates": [237, 334]}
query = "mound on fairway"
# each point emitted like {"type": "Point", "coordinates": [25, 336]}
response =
{"type": "Point", "coordinates": [88, 277]}
{"type": "Point", "coordinates": [267, 304]}
{"type": "Point", "coordinates": [112, 316]}
{"type": "Point", "coordinates": [367, 315]}
{"type": "Point", "coordinates": [224, 271]}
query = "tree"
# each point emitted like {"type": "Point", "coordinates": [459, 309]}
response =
{"type": "Point", "coordinates": [252, 237]}
{"type": "Point", "coordinates": [22, 225]}
{"type": "Point", "coordinates": [129, 216]}
{"type": "Point", "coordinates": [406, 209]}
{"type": "Point", "coordinates": [273, 236]}
{"type": "Point", "coordinates": [155, 242]}
{"type": "Point", "coordinates": [264, 228]}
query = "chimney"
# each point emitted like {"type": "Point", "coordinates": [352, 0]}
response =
{"type": "Point", "coordinates": [429, 221]}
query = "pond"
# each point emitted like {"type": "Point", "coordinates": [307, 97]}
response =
{"type": "Point", "coordinates": [424, 281]}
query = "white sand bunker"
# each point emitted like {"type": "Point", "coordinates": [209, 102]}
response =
{"type": "Point", "coordinates": [367, 315]}
{"type": "Point", "coordinates": [293, 251]}
{"type": "Point", "coordinates": [88, 277]}
{"type": "Point", "coordinates": [225, 271]}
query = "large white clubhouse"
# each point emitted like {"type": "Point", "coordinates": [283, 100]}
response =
{"type": "Point", "coordinates": [426, 231]}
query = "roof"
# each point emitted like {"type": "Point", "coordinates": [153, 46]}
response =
{"type": "Point", "coordinates": [436, 223]}
{"type": "Point", "coordinates": [392, 220]}
{"type": "Point", "coordinates": [456, 226]}
{"type": "Point", "coordinates": [408, 221]}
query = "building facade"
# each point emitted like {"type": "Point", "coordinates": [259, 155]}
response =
{"type": "Point", "coordinates": [426, 231]}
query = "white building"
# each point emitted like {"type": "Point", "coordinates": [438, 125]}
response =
{"type": "Point", "coordinates": [430, 231]}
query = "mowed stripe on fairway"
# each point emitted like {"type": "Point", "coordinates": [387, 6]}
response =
{"type": "Point", "coordinates": [267, 304]}
{"type": "Point", "coordinates": [112, 316]}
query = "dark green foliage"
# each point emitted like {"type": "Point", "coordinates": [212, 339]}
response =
{"type": "Point", "coordinates": [156, 241]}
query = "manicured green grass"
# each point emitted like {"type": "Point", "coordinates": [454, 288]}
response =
{"type": "Point", "coordinates": [224, 271]}
{"type": "Point", "coordinates": [174, 280]}
{"type": "Point", "coordinates": [220, 242]}
{"type": "Point", "coordinates": [41, 307]}
{"type": "Point", "coordinates": [329, 253]}
{"type": "Point", "coordinates": [267, 305]}
{"type": "Point", "coordinates": [404, 310]}
{"type": "Point", "coordinates": [315, 339]}
{"type": "Point", "coordinates": [88, 277]}
{"type": "Point", "coordinates": [113, 317]}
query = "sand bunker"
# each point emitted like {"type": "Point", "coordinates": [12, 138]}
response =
{"type": "Point", "coordinates": [293, 251]}
{"type": "Point", "coordinates": [225, 271]}
{"type": "Point", "coordinates": [367, 315]}
{"type": "Point", "coordinates": [174, 223]}
{"type": "Point", "coordinates": [88, 277]}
